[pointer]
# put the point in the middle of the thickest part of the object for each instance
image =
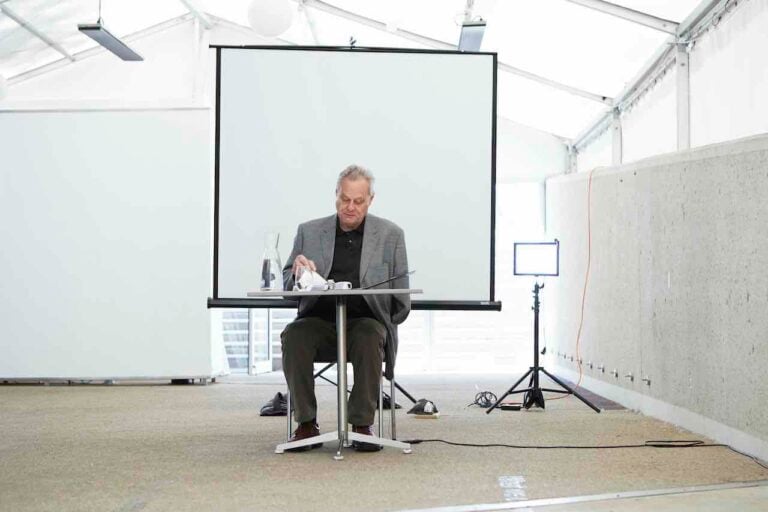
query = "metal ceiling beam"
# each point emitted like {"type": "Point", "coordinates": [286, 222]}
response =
{"type": "Point", "coordinates": [617, 144]}
{"type": "Point", "coordinates": [442, 45]}
{"type": "Point", "coordinates": [659, 58]}
{"type": "Point", "coordinates": [597, 127]}
{"type": "Point", "coordinates": [378, 25]}
{"type": "Point", "coordinates": [625, 13]}
{"type": "Point", "coordinates": [705, 10]}
{"type": "Point", "coordinates": [96, 50]}
{"type": "Point", "coordinates": [192, 7]}
{"type": "Point", "coordinates": [247, 30]}
{"type": "Point", "coordinates": [310, 23]}
{"type": "Point", "coordinates": [683, 96]}
{"type": "Point", "coordinates": [557, 85]}
{"type": "Point", "coordinates": [698, 18]}
{"type": "Point", "coordinates": [35, 32]}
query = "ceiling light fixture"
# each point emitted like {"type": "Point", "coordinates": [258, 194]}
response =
{"type": "Point", "coordinates": [471, 36]}
{"type": "Point", "coordinates": [270, 18]}
{"type": "Point", "coordinates": [99, 33]}
{"type": "Point", "coordinates": [471, 30]}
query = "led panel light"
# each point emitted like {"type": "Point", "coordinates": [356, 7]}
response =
{"type": "Point", "coordinates": [536, 258]}
{"type": "Point", "coordinates": [471, 36]}
{"type": "Point", "coordinates": [104, 37]}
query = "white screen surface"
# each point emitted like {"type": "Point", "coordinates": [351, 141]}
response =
{"type": "Point", "coordinates": [291, 120]}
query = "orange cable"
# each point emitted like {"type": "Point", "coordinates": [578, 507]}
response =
{"type": "Point", "coordinates": [586, 282]}
{"type": "Point", "coordinates": [586, 276]}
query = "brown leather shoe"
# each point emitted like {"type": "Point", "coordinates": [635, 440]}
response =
{"type": "Point", "coordinates": [359, 446]}
{"type": "Point", "coordinates": [304, 431]}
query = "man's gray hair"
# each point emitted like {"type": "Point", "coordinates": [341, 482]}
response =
{"type": "Point", "coordinates": [354, 172]}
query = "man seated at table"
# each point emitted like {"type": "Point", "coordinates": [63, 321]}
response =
{"type": "Point", "coordinates": [364, 250]}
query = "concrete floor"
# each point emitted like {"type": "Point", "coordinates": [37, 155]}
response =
{"type": "Point", "coordinates": [749, 497]}
{"type": "Point", "coordinates": [157, 447]}
{"type": "Point", "coordinates": [744, 499]}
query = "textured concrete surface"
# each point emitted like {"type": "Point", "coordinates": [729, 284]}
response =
{"type": "Point", "coordinates": [159, 447]}
{"type": "Point", "coordinates": [678, 288]}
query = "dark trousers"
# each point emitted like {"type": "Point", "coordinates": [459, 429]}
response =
{"type": "Point", "coordinates": [305, 337]}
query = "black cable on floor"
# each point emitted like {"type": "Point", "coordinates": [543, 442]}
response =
{"type": "Point", "coordinates": [754, 459]}
{"type": "Point", "coordinates": [664, 443]}
{"type": "Point", "coordinates": [484, 399]}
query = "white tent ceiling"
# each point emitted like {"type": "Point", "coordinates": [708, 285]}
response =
{"type": "Point", "coordinates": [561, 63]}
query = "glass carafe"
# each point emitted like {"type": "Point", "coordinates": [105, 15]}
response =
{"type": "Point", "coordinates": [271, 268]}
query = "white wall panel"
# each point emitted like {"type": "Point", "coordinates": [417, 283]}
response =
{"type": "Point", "coordinates": [526, 154]}
{"type": "Point", "coordinates": [728, 100]}
{"type": "Point", "coordinates": [105, 220]}
{"type": "Point", "coordinates": [650, 128]}
{"type": "Point", "coordinates": [729, 77]}
{"type": "Point", "coordinates": [598, 153]}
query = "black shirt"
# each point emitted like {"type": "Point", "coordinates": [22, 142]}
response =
{"type": "Point", "coordinates": [345, 267]}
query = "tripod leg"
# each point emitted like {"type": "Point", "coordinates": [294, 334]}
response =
{"type": "Point", "coordinates": [571, 390]}
{"type": "Point", "coordinates": [521, 379]}
{"type": "Point", "coordinates": [534, 397]}
{"type": "Point", "coordinates": [403, 391]}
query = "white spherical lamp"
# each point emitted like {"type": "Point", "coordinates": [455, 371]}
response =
{"type": "Point", "coordinates": [3, 87]}
{"type": "Point", "coordinates": [270, 18]}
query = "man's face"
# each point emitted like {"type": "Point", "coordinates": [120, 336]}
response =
{"type": "Point", "coordinates": [352, 202]}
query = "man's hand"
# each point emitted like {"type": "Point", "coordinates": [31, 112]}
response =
{"type": "Point", "coordinates": [303, 261]}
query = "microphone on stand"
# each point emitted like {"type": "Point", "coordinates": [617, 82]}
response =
{"type": "Point", "coordinates": [388, 280]}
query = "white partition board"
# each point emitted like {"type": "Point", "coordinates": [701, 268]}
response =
{"type": "Point", "coordinates": [423, 122]}
{"type": "Point", "coordinates": [104, 217]}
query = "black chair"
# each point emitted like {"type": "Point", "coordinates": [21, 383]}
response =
{"type": "Point", "coordinates": [329, 357]}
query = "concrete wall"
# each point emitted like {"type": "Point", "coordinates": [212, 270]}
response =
{"type": "Point", "coordinates": [677, 291]}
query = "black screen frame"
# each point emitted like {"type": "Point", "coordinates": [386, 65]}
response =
{"type": "Point", "coordinates": [226, 302]}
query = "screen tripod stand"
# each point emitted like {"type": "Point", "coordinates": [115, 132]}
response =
{"type": "Point", "coordinates": [534, 393]}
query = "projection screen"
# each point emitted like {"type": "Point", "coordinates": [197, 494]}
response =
{"type": "Point", "coordinates": [290, 119]}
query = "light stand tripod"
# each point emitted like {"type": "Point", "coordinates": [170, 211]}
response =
{"type": "Point", "coordinates": [534, 392]}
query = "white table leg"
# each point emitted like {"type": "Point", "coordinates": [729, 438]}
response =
{"type": "Point", "coordinates": [342, 434]}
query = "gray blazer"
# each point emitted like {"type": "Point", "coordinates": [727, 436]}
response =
{"type": "Point", "coordinates": [383, 256]}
